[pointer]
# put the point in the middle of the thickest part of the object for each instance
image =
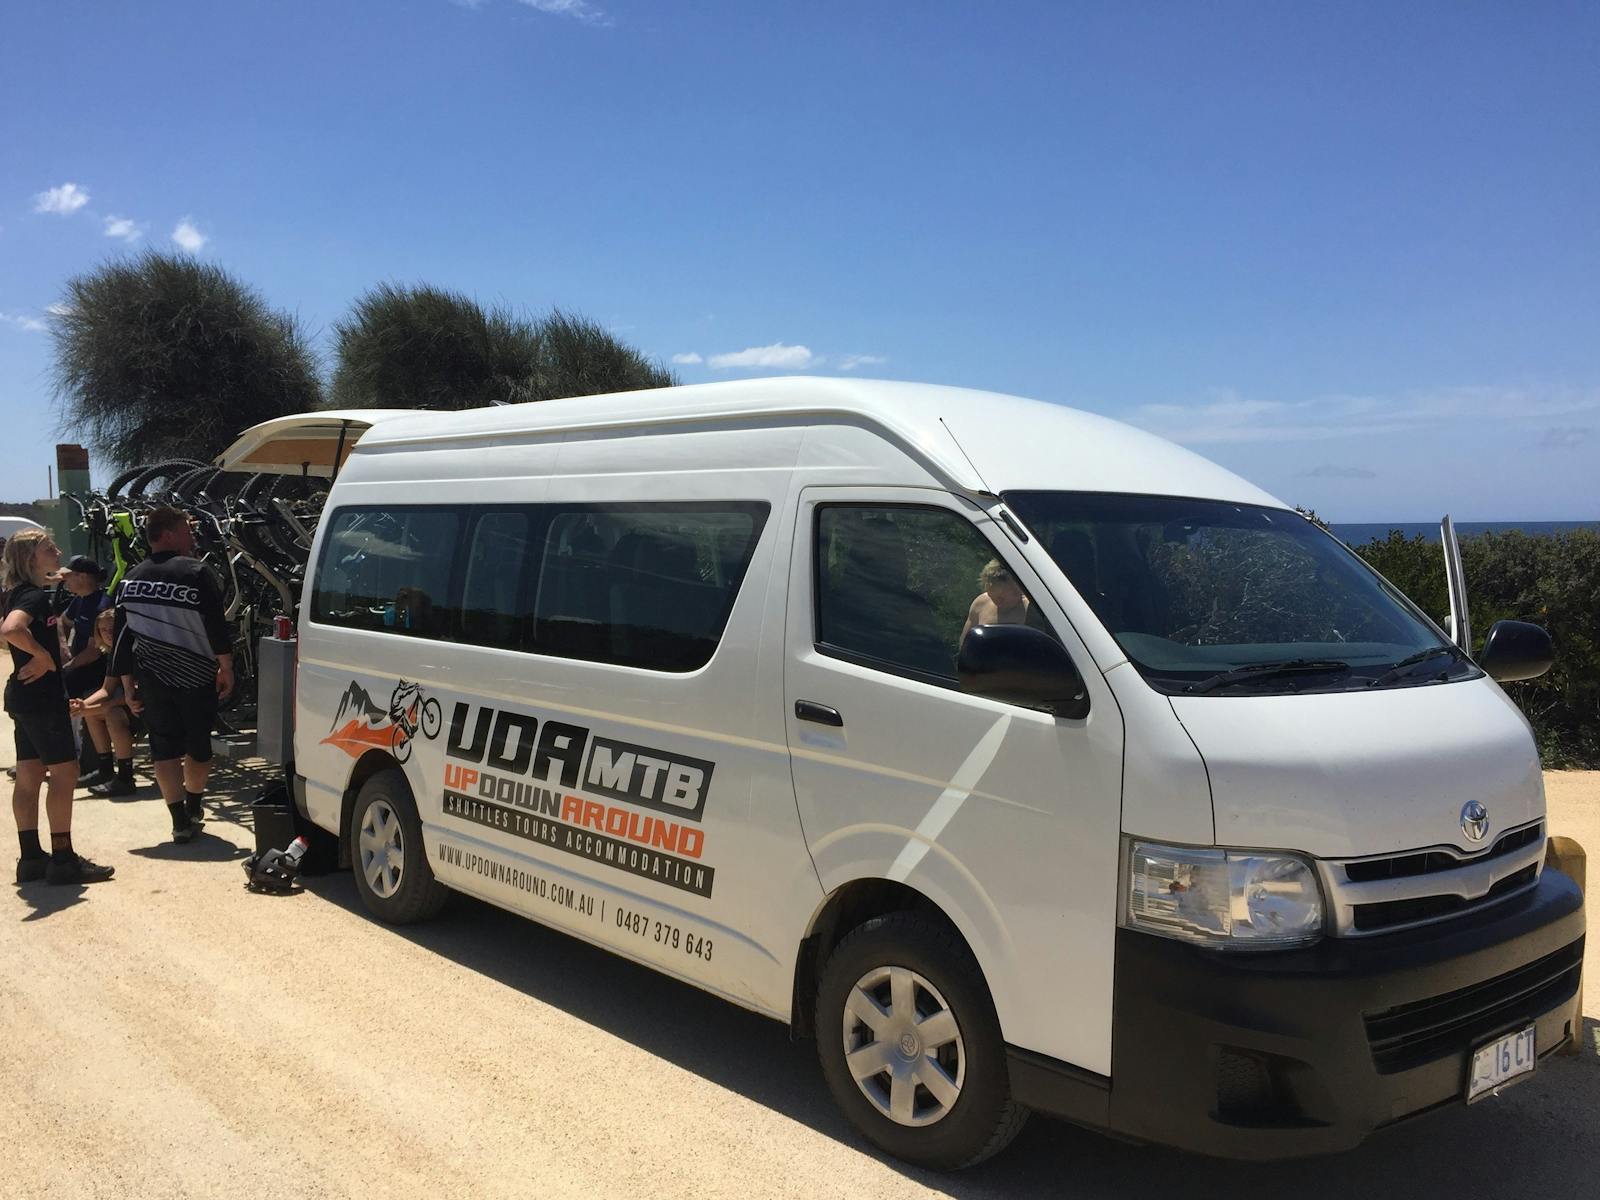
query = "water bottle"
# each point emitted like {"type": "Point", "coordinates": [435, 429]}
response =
{"type": "Point", "coordinates": [296, 851]}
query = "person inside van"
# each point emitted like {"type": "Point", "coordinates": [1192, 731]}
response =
{"type": "Point", "coordinates": [1002, 601]}
{"type": "Point", "coordinates": [105, 713]}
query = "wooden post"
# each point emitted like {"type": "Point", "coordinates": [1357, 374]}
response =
{"type": "Point", "coordinates": [1565, 855]}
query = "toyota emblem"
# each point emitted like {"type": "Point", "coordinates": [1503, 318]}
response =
{"type": "Point", "coordinates": [1474, 821]}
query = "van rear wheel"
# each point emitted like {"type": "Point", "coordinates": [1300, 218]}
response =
{"type": "Point", "coordinates": [387, 854]}
{"type": "Point", "coordinates": [910, 1044]}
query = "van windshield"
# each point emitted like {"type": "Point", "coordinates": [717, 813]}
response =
{"type": "Point", "coordinates": [1215, 598]}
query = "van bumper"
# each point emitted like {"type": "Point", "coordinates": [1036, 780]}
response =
{"type": "Point", "coordinates": [1304, 1052]}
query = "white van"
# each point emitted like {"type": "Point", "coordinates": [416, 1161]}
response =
{"type": "Point", "coordinates": [1023, 759]}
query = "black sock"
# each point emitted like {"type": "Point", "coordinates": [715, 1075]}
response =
{"type": "Point", "coordinates": [194, 798]}
{"type": "Point", "coordinates": [29, 839]}
{"type": "Point", "coordinates": [61, 847]}
{"type": "Point", "coordinates": [124, 768]}
{"type": "Point", "coordinates": [180, 814]}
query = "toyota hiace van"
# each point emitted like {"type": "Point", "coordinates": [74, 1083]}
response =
{"type": "Point", "coordinates": [1024, 760]}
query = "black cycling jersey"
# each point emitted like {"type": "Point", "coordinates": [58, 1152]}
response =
{"type": "Point", "coordinates": [170, 622]}
{"type": "Point", "coordinates": [45, 692]}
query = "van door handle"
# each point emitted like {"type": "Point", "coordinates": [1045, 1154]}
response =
{"type": "Point", "coordinates": [822, 714]}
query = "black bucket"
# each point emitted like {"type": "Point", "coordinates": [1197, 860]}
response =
{"type": "Point", "coordinates": [272, 813]}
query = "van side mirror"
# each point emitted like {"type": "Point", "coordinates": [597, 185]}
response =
{"type": "Point", "coordinates": [1021, 665]}
{"type": "Point", "coordinates": [1516, 650]}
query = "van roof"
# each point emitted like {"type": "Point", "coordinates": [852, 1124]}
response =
{"type": "Point", "coordinates": [979, 441]}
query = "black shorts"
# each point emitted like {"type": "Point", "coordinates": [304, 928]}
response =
{"type": "Point", "coordinates": [179, 719]}
{"type": "Point", "coordinates": [46, 736]}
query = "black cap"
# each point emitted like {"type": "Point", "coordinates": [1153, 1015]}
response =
{"type": "Point", "coordinates": [82, 562]}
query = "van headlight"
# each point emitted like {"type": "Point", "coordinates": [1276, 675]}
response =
{"type": "Point", "coordinates": [1232, 899]}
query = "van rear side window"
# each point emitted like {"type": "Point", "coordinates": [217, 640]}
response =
{"type": "Point", "coordinates": [389, 569]}
{"type": "Point", "coordinates": [639, 585]}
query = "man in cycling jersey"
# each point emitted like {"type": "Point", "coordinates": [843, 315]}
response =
{"type": "Point", "coordinates": [173, 652]}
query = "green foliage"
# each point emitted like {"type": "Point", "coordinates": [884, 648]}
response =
{"type": "Point", "coordinates": [426, 347]}
{"type": "Point", "coordinates": [1552, 581]}
{"type": "Point", "coordinates": [162, 356]}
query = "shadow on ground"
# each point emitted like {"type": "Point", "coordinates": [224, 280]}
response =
{"type": "Point", "coordinates": [1539, 1138]}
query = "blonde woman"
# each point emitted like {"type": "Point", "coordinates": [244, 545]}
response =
{"type": "Point", "coordinates": [105, 712]}
{"type": "Point", "coordinates": [37, 703]}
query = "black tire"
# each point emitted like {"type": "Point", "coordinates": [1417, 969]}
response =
{"type": "Point", "coordinates": [169, 470]}
{"type": "Point", "coordinates": [114, 488]}
{"type": "Point", "coordinates": [983, 1118]}
{"type": "Point", "coordinates": [416, 894]}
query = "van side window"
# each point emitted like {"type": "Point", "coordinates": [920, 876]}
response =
{"type": "Point", "coordinates": [898, 587]}
{"type": "Point", "coordinates": [389, 569]}
{"type": "Point", "coordinates": [491, 612]}
{"type": "Point", "coordinates": [641, 585]}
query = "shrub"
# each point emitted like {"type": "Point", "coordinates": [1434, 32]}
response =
{"type": "Point", "coordinates": [1552, 580]}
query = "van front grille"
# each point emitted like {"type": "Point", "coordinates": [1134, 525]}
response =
{"type": "Point", "coordinates": [1373, 896]}
{"type": "Point", "coordinates": [1409, 1035]}
{"type": "Point", "coordinates": [1428, 861]}
{"type": "Point", "coordinates": [1369, 918]}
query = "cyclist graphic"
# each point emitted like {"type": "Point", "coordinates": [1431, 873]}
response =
{"type": "Point", "coordinates": [411, 710]}
{"type": "Point", "coordinates": [367, 726]}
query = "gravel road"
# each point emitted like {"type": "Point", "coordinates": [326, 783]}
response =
{"type": "Point", "coordinates": [170, 1034]}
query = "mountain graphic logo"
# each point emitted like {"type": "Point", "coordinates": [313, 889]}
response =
{"type": "Point", "coordinates": [369, 726]}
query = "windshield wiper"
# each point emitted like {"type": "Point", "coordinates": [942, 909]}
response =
{"type": "Point", "coordinates": [1421, 656]}
{"type": "Point", "coordinates": [1267, 670]}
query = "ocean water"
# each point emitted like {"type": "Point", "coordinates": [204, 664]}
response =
{"type": "Point", "coordinates": [1358, 535]}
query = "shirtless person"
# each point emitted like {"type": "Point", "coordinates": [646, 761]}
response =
{"type": "Point", "coordinates": [1002, 601]}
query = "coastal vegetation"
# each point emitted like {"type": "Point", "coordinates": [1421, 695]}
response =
{"type": "Point", "coordinates": [1552, 580]}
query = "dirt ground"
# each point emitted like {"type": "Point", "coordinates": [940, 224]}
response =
{"type": "Point", "coordinates": [170, 1034]}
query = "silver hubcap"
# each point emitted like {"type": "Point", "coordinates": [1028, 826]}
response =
{"type": "Point", "coordinates": [382, 852]}
{"type": "Point", "coordinates": [903, 1046]}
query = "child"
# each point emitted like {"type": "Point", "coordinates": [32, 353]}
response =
{"type": "Point", "coordinates": [106, 714]}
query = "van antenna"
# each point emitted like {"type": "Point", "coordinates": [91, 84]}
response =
{"type": "Point", "coordinates": [987, 490]}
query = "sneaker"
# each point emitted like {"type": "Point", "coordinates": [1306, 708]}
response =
{"type": "Point", "coordinates": [77, 870]}
{"type": "Point", "coordinates": [31, 869]}
{"type": "Point", "coordinates": [95, 777]}
{"type": "Point", "coordinates": [187, 832]}
{"type": "Point", "coordinates": [116, 786]}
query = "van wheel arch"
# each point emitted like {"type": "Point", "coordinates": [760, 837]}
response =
{"type": "Point", "coordinates": [368, 765]}
{"type": "Point", "coordinates": [847, 908]}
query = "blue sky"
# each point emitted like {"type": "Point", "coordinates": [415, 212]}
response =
{"type": "Point", "coordinates": [1349, 251]}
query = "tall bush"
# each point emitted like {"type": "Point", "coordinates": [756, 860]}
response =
{"type": "Point", "coordinates": [162, 356]}
{"type": "Point", "coordinates": [427, 347]}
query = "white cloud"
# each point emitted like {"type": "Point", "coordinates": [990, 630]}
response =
{"type": "Point", "coordinates": [188, 237]}
{"type": "Point", "coordinates": [1228, 418]}
{"type": "Point", "coordinates": [776, 355]}
{"type": "Point", "coordinates": [687, 360]}
{"type": "Point", "coordinates": [579, 10]}
{"type": "Point", "coordinates": [1330, 471]}
{"type": "Point", "coordinates": [64, 200]}
{"type": "Point", "coordinates": [1566, 437]}
{"type": "Point", "coordinates": [25, 323]}
{"type": "Point", "coordinates": [123, 227]}
{"type": "Point", "coordinates": [851, 361]}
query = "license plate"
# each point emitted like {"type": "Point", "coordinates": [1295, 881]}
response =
{"type": "Point", "coordinates": [1499, 1062]}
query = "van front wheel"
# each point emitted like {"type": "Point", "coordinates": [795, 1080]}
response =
{"type": "Point", "coordinates": [387, 855]}
{"type": "Point", "coordinates": [910, 1044]}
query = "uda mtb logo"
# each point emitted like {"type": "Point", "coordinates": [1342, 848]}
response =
{"type": "Point", "coordinates": [371, 727]}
